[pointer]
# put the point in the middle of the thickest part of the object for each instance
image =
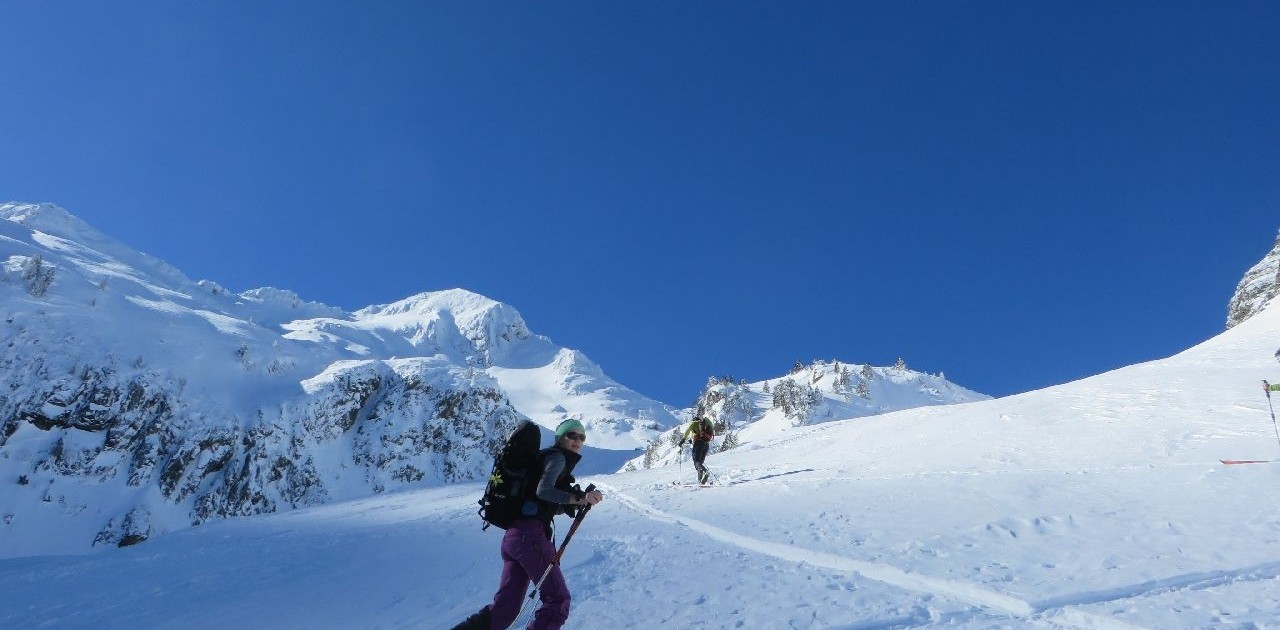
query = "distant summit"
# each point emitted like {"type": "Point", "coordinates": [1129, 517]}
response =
{"type": "Point", "coordinates": [1256, 290]}
{"type": "Point", "coordinates": [752, 413]}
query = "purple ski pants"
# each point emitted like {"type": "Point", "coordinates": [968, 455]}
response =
{"type": "Point", "coordinates": [526, 552]}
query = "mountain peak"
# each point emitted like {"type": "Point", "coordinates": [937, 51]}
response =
{"type": "Point", "coordinates": [24, 213]}
{"type": "Point", "coordinates": [824, 391]}
{"type": "Point", "coordinates": [53, 220]}
{"type": "Point", "coordinates": [458, 301]}
{"type": "Point", "coordinates": [481, 320]}
{"type": "Point", "coordinates": [47, 218]}
{"type": "Point", "coordinates": [1257, 288]}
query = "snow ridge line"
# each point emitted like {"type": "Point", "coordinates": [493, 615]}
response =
{"type": "Point", "coordinates": [979, 595]}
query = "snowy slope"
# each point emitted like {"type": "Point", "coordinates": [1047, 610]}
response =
{"type": "Point", "coordinates": [1097, 504]}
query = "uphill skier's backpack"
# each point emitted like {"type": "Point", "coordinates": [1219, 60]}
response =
{"type": "Point", "coordinates": [514, 471]}
{"type": "Point", "coordinates": [706, 431]}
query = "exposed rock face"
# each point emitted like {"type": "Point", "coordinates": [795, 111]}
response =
{"type": "Point", "coordinates": [375, 426]}
{"type": "Point", "coordinates": [1256, 290]}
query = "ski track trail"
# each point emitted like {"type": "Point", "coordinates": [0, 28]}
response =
{"type": "Point", "coordinates": [732, 478]}
{"type": "Point", "coordinates": [1055, 612]}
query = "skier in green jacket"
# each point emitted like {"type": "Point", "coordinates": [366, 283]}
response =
{"type": "Point", "coordinates": [702, 431]}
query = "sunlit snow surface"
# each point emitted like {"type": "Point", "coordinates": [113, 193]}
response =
{"type": "Point", "coordinates": [1095, 504]}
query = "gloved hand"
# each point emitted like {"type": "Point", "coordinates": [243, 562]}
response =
{"type": "Point", "coordinates": [681, 443]}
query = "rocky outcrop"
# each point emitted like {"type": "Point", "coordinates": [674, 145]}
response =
{"type": "Point", "coordinates": [1259, 286]}
{"type": "Point", "coordinates": [376, 426]}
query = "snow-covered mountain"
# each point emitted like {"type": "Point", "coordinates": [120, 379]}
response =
{"type": "Point", "coordinates": [540, 379]}
{"type": "Point", "coordinates": [1099, 504]}
{"type": "Point", "coordinates": [137, 401]}
{"type": "Point", "coordinates": [746, 414]}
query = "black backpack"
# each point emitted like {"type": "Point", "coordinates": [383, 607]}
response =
{"type": "Point", "coordinates": [512, 477]}
{"type": "Point", "coordinates": [706, 431]}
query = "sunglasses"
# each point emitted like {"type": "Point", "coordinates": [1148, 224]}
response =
{"type": "Point", "coordinates": [576, 437]}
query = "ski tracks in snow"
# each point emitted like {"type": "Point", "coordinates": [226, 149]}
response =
{"type": "Point", "coordinates": [1059, 612]}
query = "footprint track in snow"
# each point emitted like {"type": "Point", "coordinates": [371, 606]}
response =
{"type": "Point", "coordinates": [1057, 612]}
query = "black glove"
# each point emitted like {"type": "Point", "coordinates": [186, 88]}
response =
{"type": "Point", "coordinates": [578, 495]}
{"type": "Point", "coordinates": [681, 443]}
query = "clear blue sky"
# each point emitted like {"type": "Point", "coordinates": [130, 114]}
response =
{"type": "Point", "coordinates": [1015, 193]}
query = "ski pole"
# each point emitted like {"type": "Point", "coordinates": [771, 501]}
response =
{"type": "Point", "coordinates": [1266, 387]}
{"type": "Point", "coordinates": [577, 520]}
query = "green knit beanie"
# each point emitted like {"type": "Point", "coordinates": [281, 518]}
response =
{"type": "Point", "coordinates": [572, 424]}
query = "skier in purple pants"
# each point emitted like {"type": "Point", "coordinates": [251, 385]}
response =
{"type": "Point", "coordinates": [527, 549]}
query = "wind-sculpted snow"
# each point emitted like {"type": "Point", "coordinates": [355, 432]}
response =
{"type": "Point", "coordinates": [69, 233]}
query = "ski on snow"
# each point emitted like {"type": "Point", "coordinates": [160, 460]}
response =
{"type": "Point", "coordinates": [1232, 462]}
